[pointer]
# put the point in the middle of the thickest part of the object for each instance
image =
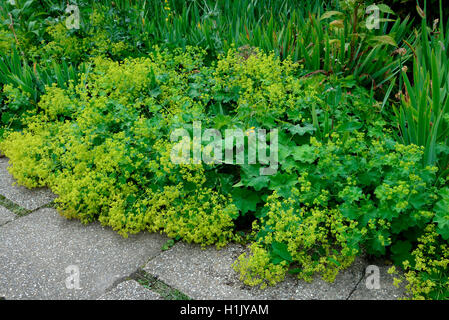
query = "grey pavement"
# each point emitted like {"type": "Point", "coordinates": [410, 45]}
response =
{"type": "Point", "coordinates": [366, 290]}
{"type": "Point", "coordinates": [6, 216]}
{"type": "Point", "coordinates": [42, 251]}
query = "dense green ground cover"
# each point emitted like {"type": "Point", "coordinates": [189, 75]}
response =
{"type": "Point", "coordinates": [362, 116]}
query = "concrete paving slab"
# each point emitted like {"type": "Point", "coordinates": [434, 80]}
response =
{"type": "Point", "coordinates": [26, 198]}
{"type": "Point", "coordinates": [369, 289]}
{"type": "Point", "coordinates": [43, 254]}
{"type": "Point", "coordinates": [6, 216]}
{"type": "Point", "coordinates": [130, 290]}
{"type": "Point", "coordinates": [207, 274]}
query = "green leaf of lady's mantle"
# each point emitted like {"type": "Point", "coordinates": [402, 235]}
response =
{"type": "Point", "coordinates": [280, 249]}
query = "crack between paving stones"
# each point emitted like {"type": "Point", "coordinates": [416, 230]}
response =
{"type": "Point", "coordinates": [140, 274]}
{"type": "Point", "coordinates": [119, 281]}
{"type": "Point", "coordinates": [153, 257]}
{"type": "Point", "coordinates": [18, 211]}
{"type": "Point", "coordinates": [13, 207]}
{"type": "Point", "coordinates": [157, 255]}
{"type": "Point", "coordinates": [166, 292]}
{"type": "Point", "coordinates": [356, 286]}
{"type": "Point", "coordinates": [4, 224]}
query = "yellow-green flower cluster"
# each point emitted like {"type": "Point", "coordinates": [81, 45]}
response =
{"type": "Point", "coordinates": [262, 85]}
{"type": "Point", "coordinates": [427, 274]}
{"type": "Point", "coordinates": [100, 147]}
{"type": "Point", "coordinates": [315, 242]}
